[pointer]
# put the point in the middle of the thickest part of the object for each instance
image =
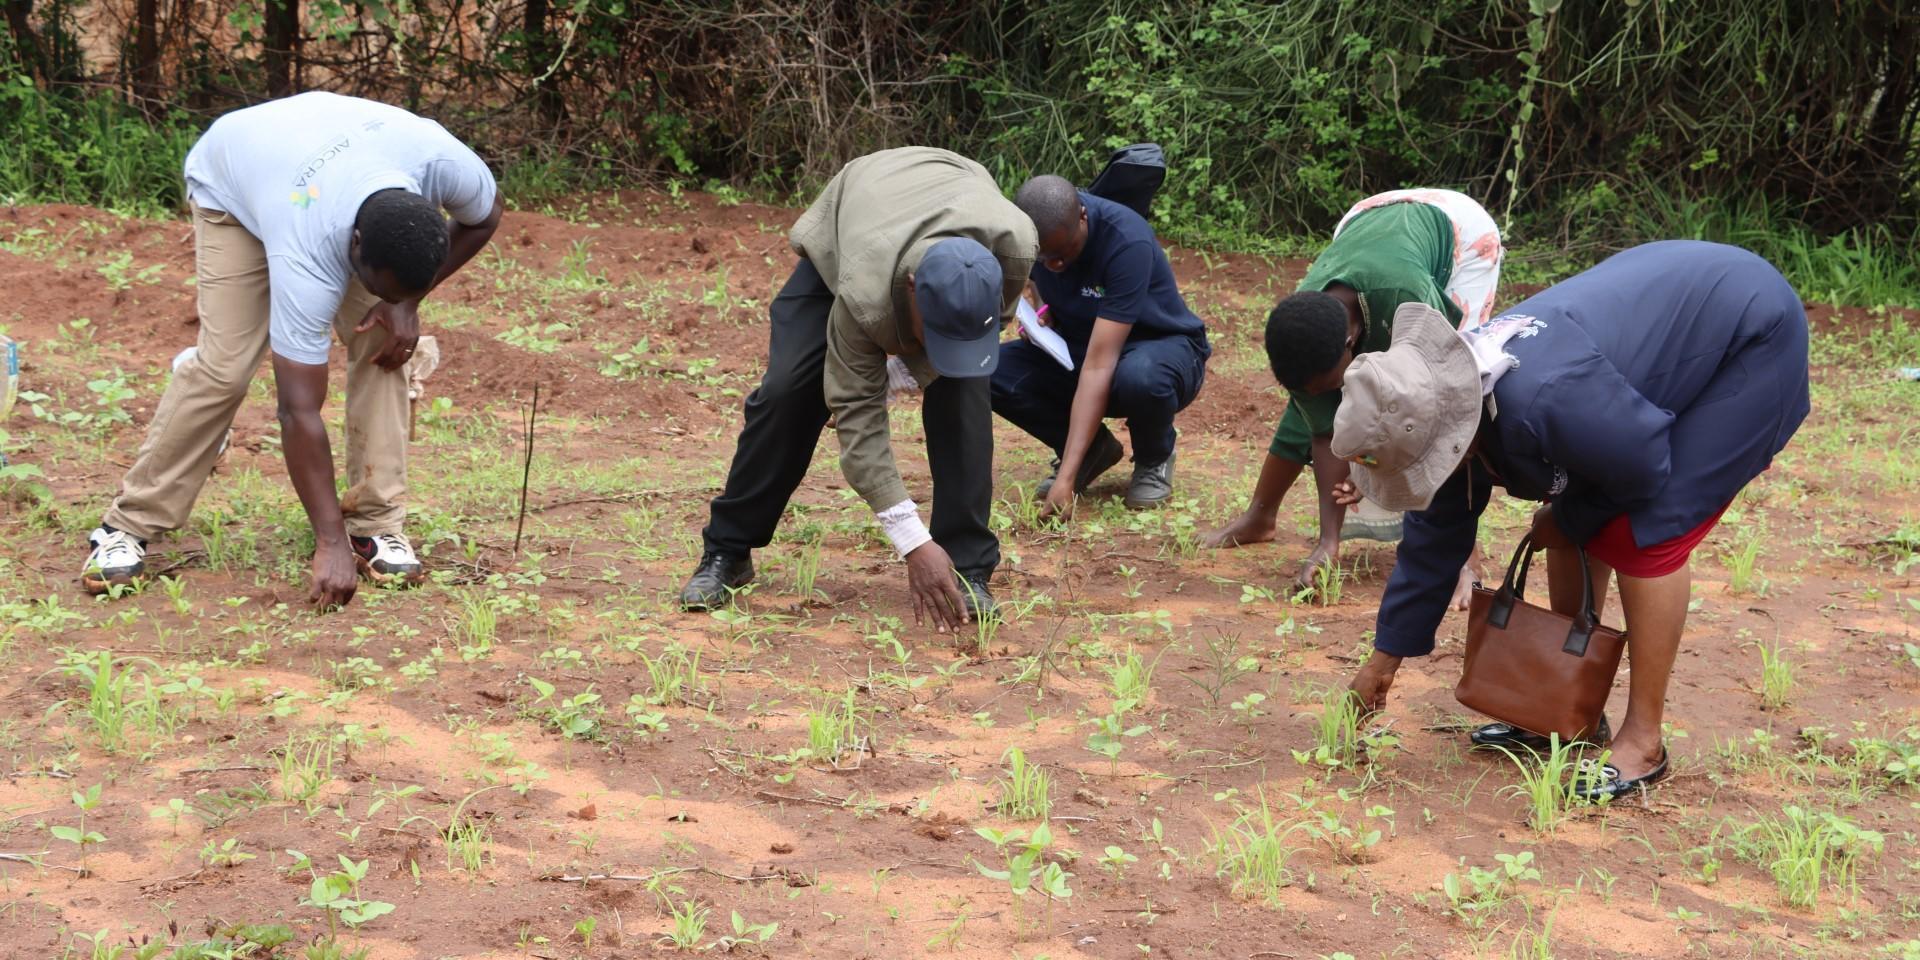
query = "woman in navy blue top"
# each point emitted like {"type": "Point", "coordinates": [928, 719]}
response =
{"type": "Point", "coordinates": [1636, 399]}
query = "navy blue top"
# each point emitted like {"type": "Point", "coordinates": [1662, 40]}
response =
{"type": "Point", "coordinates": [1122, 275]}
{"type": "Point", "coordinates": [1656, 385]}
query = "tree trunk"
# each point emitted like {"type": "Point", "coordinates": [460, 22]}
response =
{"type": "Point", "coordinates": [282, 46]}
{"type": "Point", "coordinates": [1890, 133]}
{"type": "Point", "coordinates": [26, 46]}
{"type": "Point", "coordinates": [539, 60]}
{"type": "Point", "coordinates": [146, 53]}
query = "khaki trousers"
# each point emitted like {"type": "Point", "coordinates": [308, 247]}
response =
{"type": "Point", "coordinates": [184, 439]}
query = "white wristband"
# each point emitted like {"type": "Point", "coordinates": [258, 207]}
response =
{"type": "Point", "coordinates": [901, 523]}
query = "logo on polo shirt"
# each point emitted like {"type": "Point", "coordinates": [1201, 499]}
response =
{"type": "Point", "coordinates": [305, 188]}
{"type": "Point", "coordinates": [1095, 292]}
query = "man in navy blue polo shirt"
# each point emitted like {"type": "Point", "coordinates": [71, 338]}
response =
{"type": "Point", "coordinates": [1138, 353]}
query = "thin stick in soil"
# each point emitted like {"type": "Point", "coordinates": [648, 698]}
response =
{"type": "Point", "coordinates": [526, 470]}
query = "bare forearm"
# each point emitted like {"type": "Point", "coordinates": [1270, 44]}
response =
{"type": "Point", "coordinates": [1277, 475]}
{"type": "Point", "coordinates": [464, 242]}
{"type": "Point", "coordinates": [1328, 472]}
{"type": "Point", "coordinates": [1083, 421]}
{"type": "Point", "coordinates": [463, 245]}
{"type": "Point", "coordinates": [303, 436]}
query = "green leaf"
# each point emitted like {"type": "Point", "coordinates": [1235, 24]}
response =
{"type": "Point", "coordinates": [322, 892]}
{"type": "Point", "coordinates": [365, 911]}
{"type": "Point", "coordinates": [69, 834]}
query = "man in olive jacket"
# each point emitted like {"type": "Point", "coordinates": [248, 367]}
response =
{"type": "Point", "coordinates": [912, 253]}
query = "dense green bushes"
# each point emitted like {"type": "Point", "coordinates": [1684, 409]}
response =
{"type": "Point", "coordinates": [1786, 125]}
{"type": "Point", "coordinates": [92, 150]}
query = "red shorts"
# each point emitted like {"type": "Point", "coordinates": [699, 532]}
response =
{"type": "Point", "coordinates": [1614, 546]}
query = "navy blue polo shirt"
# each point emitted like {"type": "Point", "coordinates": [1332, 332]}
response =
{"type": "Point", "coordinates": [1122, 275]}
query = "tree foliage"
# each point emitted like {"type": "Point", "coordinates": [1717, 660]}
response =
{"type": "Point", "coordinates": [1579, 120]}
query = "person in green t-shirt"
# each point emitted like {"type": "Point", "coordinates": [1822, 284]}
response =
{"type": "Point", "coordinates": [1433, 247]}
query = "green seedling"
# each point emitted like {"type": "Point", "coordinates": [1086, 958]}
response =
{"type": "Point", "coordinates": [1225, 663]}
{"type": "Point", "coordinates": [1026, 793]}
{"type": "Point", "coordinates": [224, 854]}
{"type": "Point", "coordinates": [674, 676]}
{"type": "Point", "coordinates": [837, 730]}
{"type": "Point", "coordinates": [689, 927]}
{"type": "Point", "coordinates": [641, 715]}
{"type": "Point", "coordinates": [108, 683]}
{"type": "Point", "coordinates": [1475, 896]}
{"type": "Point", "coordinates": [1254, 853]}
{"type": "Point", "coordinates": [1349, 842]}
{"type": "Point", "coordinates": [305, 768]}
{"type": "Point", "coordinates": [175, 809]}
{"type": "Point", "coordinates": [1807, 852]}
{"type": "Point", "coordinates": [1110, 735]}
{"type": "Point", "coordinates": [1776, 677]}
{"type": "Point", "coordinates": [176, 590]}
{"type": "Point", "coordinates": [1546, 783]}
{"type": "Point", "coordinates": [1339, 740]}
{"type": "Point", "coordinates": [745, 934]}
{"type": "Point", "coordinates": [1130, 683]}
{"type": "Point", "coordinates": [1115, 861]}
{"type": "Point", "coordinates": [806, 569]}
{"type": "Point", "coordinates": [86, 801]}
{"type": "Point", "coordinates": [1024, 867]}
{"type": "Point", "coordinates": [575, 718]}
{"type": "Point", "coordinates": [478, 626]}
{"type": "Point", "coordinates": [583, 929]}
{"type": "Point", "coordinates": [1743, 556]}
{"type": "Point", "coordinates": [337, 894]}
{"type": "Point", "coordinates": [1247, 709]}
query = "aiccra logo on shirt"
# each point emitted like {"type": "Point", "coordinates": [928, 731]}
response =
{"type": "Point", "coordinates": [305, 191]}
{"type": "Point", "coordinates": [1094, 292]}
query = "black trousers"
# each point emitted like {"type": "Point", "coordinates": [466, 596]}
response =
{"type": "Point", "coordinates": [1154, 380]}
{"type": "Point", "coordinates": [786, 413]}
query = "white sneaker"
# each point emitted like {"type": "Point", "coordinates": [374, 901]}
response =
{"type": "Point", "coordinates": [389, 558]}
{"type": "Point", "coordinates": [1371, 521]}
{"type": "Point", "coordinates": [118, 560]}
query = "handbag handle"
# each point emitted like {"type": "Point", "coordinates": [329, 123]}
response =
{"type": "Point", "coordinates": [1513, 588]}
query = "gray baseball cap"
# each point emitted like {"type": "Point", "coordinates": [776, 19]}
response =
{"type": "Point", "coordinates": [1408, 413]}
{"type": "Point", "coordinates": [957, 288]}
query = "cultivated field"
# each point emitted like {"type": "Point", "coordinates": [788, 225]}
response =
{"type": "Point", "coordinates": [537, 755]}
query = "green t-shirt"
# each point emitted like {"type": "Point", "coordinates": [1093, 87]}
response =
{"type": "Point", "coordinates": [1390, 255]}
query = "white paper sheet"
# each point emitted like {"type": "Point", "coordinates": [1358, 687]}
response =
{"type": "Point", "coordinates": [1043, 336]}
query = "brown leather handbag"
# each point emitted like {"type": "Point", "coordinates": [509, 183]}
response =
{"type": "Point", "coordinates": [1535, 669]}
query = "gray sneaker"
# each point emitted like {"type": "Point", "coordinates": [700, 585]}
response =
{"type": "Point", "coordinates": [1102, 454]}
{"type": "Point", "coordinates": [1150, 486]}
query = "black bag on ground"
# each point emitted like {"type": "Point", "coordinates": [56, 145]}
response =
{"type": "Point", "coordinates": [1132, 176]}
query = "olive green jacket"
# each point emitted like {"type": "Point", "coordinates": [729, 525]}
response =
{"type": "Point", "coordinates": [867, 231]}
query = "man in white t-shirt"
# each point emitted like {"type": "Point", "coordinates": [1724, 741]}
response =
{"type": "Point", "coordinates": [313, 216]}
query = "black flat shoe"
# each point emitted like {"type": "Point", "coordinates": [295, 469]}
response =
{"type": "Point", "coordinates": [1498, 735]}
{"type": "Point", "coordinates": [977, 598]}
{"type": "Point", "coordinates": [714, 581]}
{"type": "Point", "coordinates": [1604, 783]}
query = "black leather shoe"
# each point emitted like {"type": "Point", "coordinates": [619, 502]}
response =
{"type": "Point", "coordinates": [977, 599]}
{"type": "Point", "coordinates": [1497, 735]}
{"type": "Point", "coordinates": [1598, 782]}
{"type": "Point", "coordinates": [714, 581]}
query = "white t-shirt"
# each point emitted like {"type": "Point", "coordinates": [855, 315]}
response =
{"type": "Point", "coordinates": [294, 173]}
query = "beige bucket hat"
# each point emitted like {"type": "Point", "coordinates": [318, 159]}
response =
{"type": "Point", "coordinates": [1408, 413]}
